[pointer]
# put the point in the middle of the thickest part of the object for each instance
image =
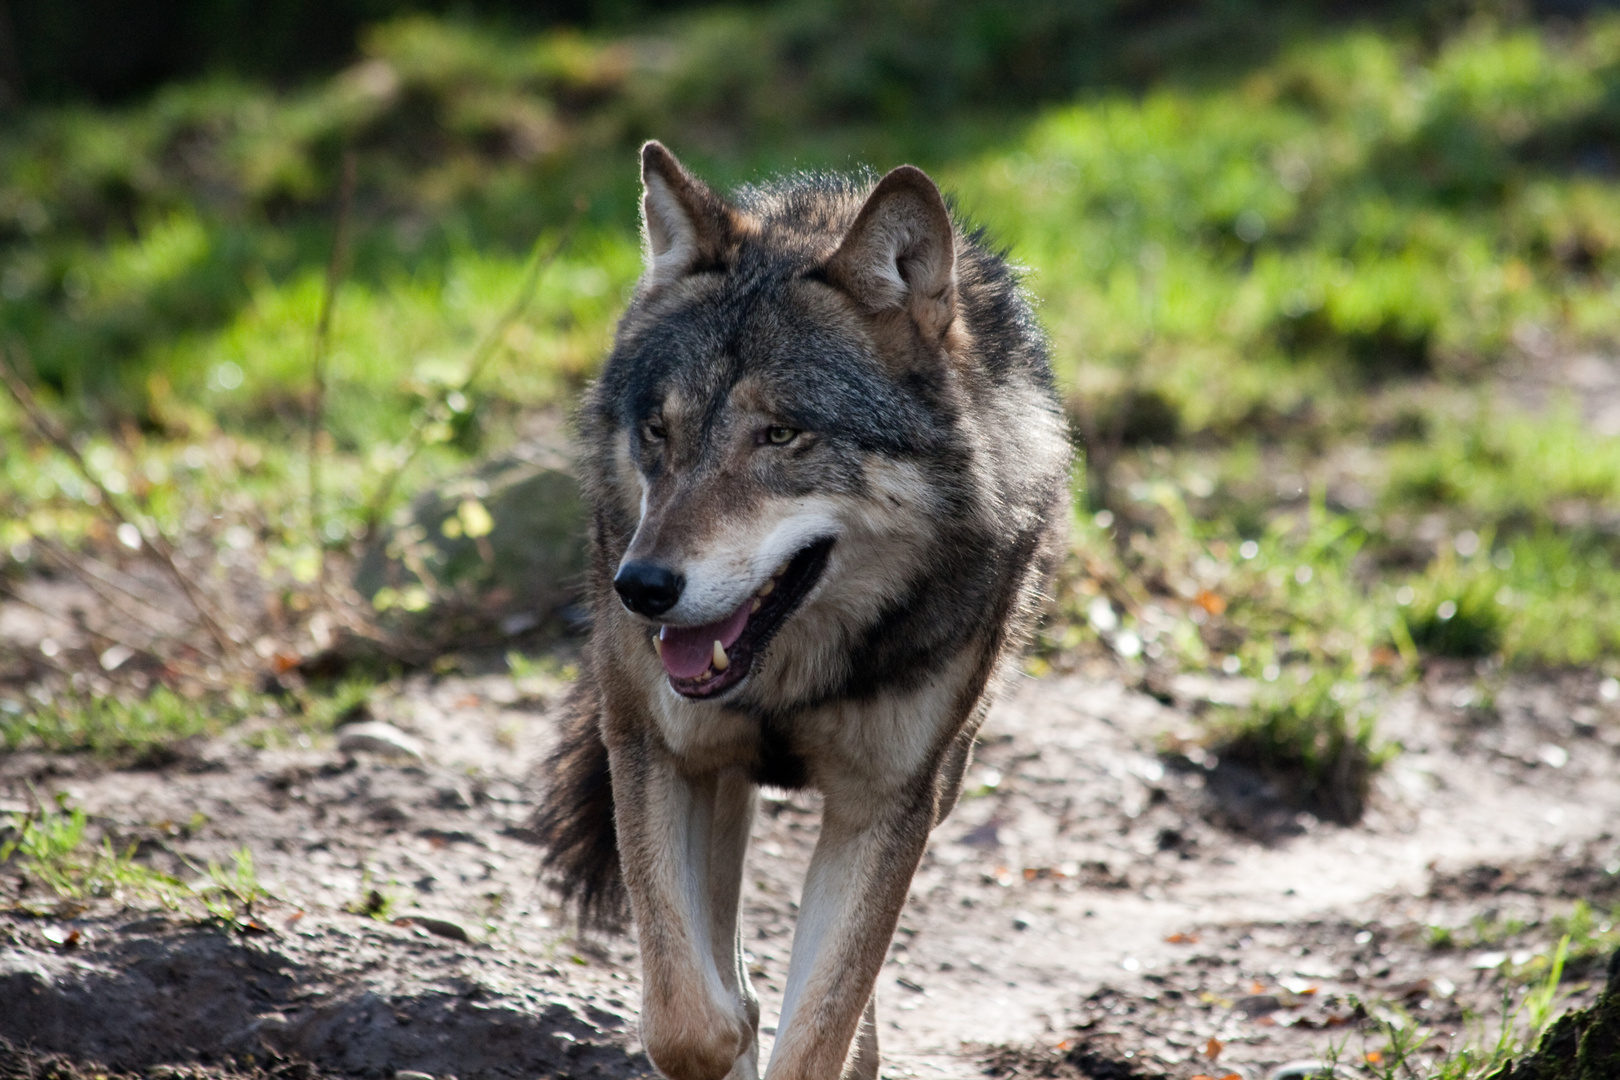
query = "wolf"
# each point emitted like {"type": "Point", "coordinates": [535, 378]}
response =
{"type": "Point", "coordinates": [828, 478]}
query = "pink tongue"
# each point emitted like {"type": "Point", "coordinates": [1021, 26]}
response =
{"type": "Point", "coordinates": [688, 650]}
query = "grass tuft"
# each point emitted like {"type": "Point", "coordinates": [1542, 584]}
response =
{"type": "Point", "coordinates": [1316, 741]}
{"type": "Point", "coordinates": [144, 729]}
{"type": "Point", "coordinates": [50, 847]}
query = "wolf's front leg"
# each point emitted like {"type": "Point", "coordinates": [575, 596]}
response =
{"type": "Point", "coordinates": [858, 881]}
{"type": "Point", "coordinates": [683, 841]}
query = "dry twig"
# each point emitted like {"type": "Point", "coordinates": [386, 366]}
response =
{"type": "Point", "coordinates": [155, 542]}
{"type": "Point", "coordinates": [543, 256]}
{"type": "Point", "coordinates": [318, 354]}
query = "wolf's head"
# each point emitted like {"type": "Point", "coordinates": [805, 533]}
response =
{"type": "Point", "coordinates": [776, 434]}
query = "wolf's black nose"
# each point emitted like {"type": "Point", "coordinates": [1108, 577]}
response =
{"type": "Point", "coordinates": [647, 588]}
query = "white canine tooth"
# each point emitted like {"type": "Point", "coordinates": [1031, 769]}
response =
{"type": "Point", "coordinates": [658, 643]}
{"type": "Point", "coordinates": [720, 660]}
{"type": "Point", "coordinates": [757, 605]}
{"type": "Point", "coordinates": [767, 588]}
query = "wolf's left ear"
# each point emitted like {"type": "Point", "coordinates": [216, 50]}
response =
{"type": "Point", "coordinates": [686, 225]}
{"type": "Point", "coordinates": [900, 255]}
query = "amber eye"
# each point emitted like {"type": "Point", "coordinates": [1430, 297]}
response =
{"type": "Point", "coordinates": [653, 431]}
{"type": "Point", "coordinates": [777, 435]}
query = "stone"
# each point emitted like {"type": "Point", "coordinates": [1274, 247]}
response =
{"type": "Point", "coordinates": [437, 927]}
{"type": "Point", "coordinates": [501, 551]}
{"type": "Point", "coordinates": [1258, 1004]}
{"type": "Point", "coordinates": [380, 738]}
{"type": "Point", "coordinates": [1303, 1070]}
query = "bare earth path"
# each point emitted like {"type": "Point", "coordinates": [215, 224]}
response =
{"type": "Point", "coordinates": [1089, 892]}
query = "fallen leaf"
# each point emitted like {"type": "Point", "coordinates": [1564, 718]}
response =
{"type": "Point", "coordinates": [60, 938]}
{"type": "Point", "coordinates": [1213, 1048]}
{"type": "Point", "coordinates": [1178, 938]}
{"type": "Point", "coordinates": [1374, 1057]}
{"type": "Point", "coordinates": [1210, 602]}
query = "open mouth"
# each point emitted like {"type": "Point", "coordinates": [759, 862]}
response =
{"type": "Point", "coordinates": [705, 661]}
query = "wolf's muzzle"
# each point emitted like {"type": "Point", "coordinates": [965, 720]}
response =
{"type": "Point", "coordinates": [647, 588]}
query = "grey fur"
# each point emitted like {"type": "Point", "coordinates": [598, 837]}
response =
{"type": "Point", "coordinates": [755, 292]}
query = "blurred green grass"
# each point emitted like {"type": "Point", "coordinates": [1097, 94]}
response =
{"type": "Point", "coordinates": [1287, 259]}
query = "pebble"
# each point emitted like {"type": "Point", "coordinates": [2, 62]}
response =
{"type": "Point", "coordinates": [453, 797]}
{"type": "Point", "coordinates": [408, 1074]}
{"type": "Point", "coordinates": [1294, 1070]}
{"type": "Point", "coordinates": [1258, 1004]}
{"type": "Point", "coordinates": [378, 737]}
{"type": "Point", "coordinates": [440, 927]}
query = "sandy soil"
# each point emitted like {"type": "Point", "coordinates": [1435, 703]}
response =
{"type": "Point", "coordinates": [1094, 907]}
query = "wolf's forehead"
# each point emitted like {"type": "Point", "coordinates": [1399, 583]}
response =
{"type": "Point", "coordinates": [799, 358]}
{"type": "Point", "coordinates": [704, 350]}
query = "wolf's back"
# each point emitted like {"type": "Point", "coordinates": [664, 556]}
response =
{"type": "Point", "coordinates": [575, 821]}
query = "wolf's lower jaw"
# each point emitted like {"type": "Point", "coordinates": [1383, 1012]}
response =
{"type": "Point", "coordinates": [777, 601]}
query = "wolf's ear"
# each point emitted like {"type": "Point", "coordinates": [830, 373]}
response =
{"type": "Point", "coordinates": [684, 224]}
{"type": "Point", "coordinates": [900, 255]}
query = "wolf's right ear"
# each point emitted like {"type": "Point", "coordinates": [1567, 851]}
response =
{"type": "Point", "coordinates": [684, 224]}
{"type": "Point", "coordinates": [900, 255]}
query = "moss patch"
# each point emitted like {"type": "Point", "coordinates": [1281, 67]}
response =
{"type": "Point", "coordinates": [1582, 1045]}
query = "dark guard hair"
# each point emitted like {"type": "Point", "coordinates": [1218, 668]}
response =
{"type": "Point", "coordinates": [1000, 497]}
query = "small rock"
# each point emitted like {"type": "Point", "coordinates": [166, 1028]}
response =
{"type": "Point", "coordinates": [452, 797]}
{"type": "Point", "coordinates": [439, 927]}
{"type": "Point", "coordinates": [387, 812]}
{"type": "Point", "coordinates": [986, 835]}
{"type": "Point", "coordinates": [409, 1074]}
{"type": "Point", "coordinates": [1303, 1070]}
{"type": "Point", "coordinates": [1258, 1004]}
{"type": "Point", "coordinates": [377, 737]}
{"type": "Point", "coordinates": [62, 939]}
{"type": "Point", "coordinates": [150, 925]}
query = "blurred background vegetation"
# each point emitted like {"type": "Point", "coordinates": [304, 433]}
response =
{"type": "Point", "coordinates": [294, 297]}
{"type": "Point", "coordinates": [1331, 288]}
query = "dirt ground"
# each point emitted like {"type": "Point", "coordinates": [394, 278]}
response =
{"type": "Point", "coordinates": [1097, 906]}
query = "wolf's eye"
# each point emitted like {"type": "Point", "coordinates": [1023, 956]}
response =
{"type": "Point", "coordinates": [777, 435]}
{"type": "Point", "coordinates": [653, 431]}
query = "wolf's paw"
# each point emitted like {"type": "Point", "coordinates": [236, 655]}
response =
{"type": "Point", "coordinates": [692, 1047]}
